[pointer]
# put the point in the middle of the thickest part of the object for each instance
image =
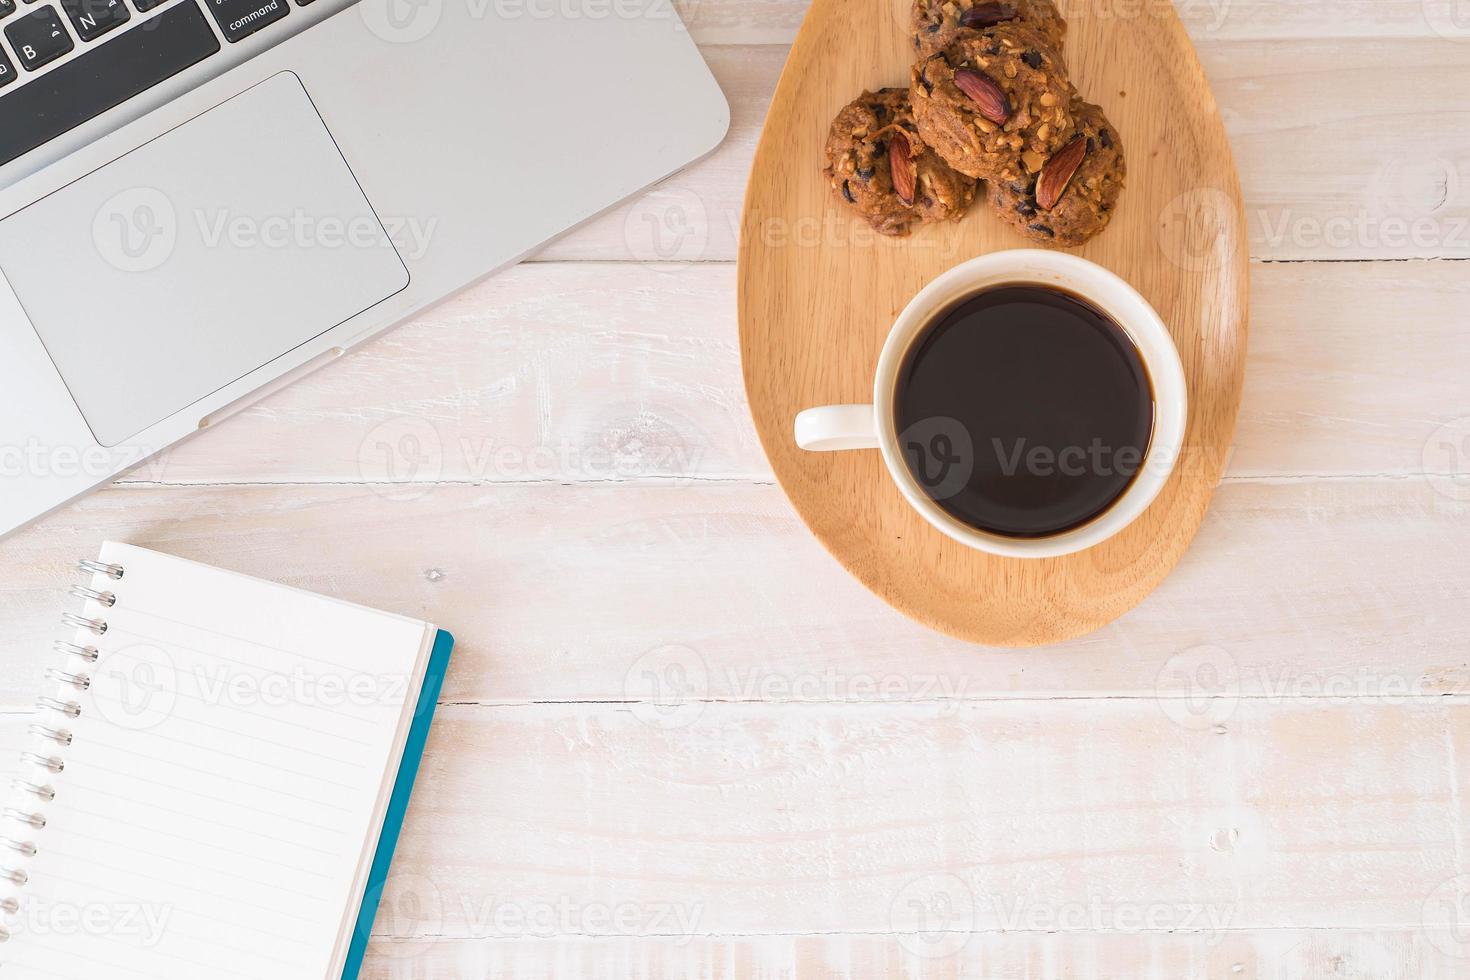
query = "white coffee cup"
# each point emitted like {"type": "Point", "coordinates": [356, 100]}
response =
{"type": "Point", "coordinates": [849, 427]}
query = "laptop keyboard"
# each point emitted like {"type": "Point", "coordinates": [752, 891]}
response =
{"type": "Point", "coordinates": [123, 48]}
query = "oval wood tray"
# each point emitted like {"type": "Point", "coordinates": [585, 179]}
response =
{"type": "Point", "coordinates": [818, 292]}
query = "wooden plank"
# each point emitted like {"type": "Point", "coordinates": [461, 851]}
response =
{"type": "Point", "coordinates": [1264, 955]}
{"type": "Point", "coordinates": [1397, 185]}
{"type": "Point", "coordinates": [776, 21]}
{"type": "Point", "coordinates": [755, 819]}
{"type": "Point", "coordinates": [1337, 590]}
{"type": "Point", "coordinates": [943, 824]}
{"type": "Point", "coordinates": [1286, 102]}
{"type": "Point", "coordinates": [592, 372]}
{"type": "Point", "coordinates": [927, 840]}
{"type": "Point", "coordinates": [555, 372]}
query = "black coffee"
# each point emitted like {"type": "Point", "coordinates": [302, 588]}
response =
{"type": "Point", "coordinates": [1024, 411]}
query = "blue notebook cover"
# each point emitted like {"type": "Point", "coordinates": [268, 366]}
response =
{"type": "Point", "coordinates": [408, 770]}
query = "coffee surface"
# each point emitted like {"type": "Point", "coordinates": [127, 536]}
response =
{"type": "Point", "coordinates": [1024, 411]}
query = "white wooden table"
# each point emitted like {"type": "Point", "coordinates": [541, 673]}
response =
{"type": "Point", "coordinates": [1259, 773]}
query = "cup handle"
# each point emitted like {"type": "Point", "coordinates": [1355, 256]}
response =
{"type": "Point", "coordinates": [833, 428]}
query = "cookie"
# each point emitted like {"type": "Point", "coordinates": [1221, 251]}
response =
{"type": "Point", "coordinates": [878, 167]}
{"type": "Point", "coordinates": [936, 23]}
{"type": "Point", "coordinates": [994, 104]}
{"type": "Point", "coordinates": [1080, 206]}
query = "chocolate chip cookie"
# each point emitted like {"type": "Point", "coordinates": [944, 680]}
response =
{"type": "Point", "coordinates": [936, 23]}
{"type": "Point", "coordinates": [994, 104]}
{"type": "Point", "coordinates": [1073, 197]}
{"type": "Point", "coordinates": [880, 168]}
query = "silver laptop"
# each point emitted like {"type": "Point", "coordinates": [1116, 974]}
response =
{"type": "Point", "coordinates": [202, 200]}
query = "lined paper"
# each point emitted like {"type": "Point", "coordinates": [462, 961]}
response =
{"type": "Point", "coordinates": [226, 784]}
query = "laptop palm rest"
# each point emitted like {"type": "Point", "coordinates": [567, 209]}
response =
{"type": "Point", "coordinates": [198, 258]}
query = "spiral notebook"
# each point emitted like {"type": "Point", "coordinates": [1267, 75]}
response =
{"type": "Point", "coordinates": [216, 783]}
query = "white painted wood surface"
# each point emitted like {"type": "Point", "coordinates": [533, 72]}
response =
{"type": "Point", "coordinates": [678, 740]}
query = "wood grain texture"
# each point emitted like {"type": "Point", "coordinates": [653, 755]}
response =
{"type": "Point", "coordinates": [1318, 618]}
{"type": "Point", "coordinates": [746, 22]}
{"type": "Point", "coordinates": [749, 819]}
{"type": "Point", "coordinates": [936, 840]}
{"type": "Point", "coordinates": [1398, 185]}
{"type": "Point", "coordinates": [1264, 955]}
{"type": "Point", "coordinates": [944, 824]}
{"type": "Point", "coordinates": [580, 593]}
{"type": "Point", "coordinates": [605, 372]}
{"type": "Point", "coordinates": [815, 309]}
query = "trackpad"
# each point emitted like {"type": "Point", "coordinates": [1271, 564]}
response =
{"type": "Point", "coordinates": [198, 258]}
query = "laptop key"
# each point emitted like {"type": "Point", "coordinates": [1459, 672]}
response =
{"type": "Point", "coordinates": [238, 19]}
{"type": "Point", "coordinates": [39, 38]}
{"type": "Point", "coordinates": [146, 5]}
{"type": "Point", "coordinates": [7, 70]}
{"type": "Point", "coordinates": [94, 18]}
{"type": "Point", "coordinates": [102, 77]}
{"type": "Point", "coordinates": [7, 7]}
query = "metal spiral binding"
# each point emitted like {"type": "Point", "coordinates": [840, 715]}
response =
{"type": "Point", "coordinates": [98, 626]}
{"type": "Point", "coordinates": [103, 598]}
{"type": "Point", "coordinates": [34, 820]}
{"type": "Point", "coordinates": [89, 654]}
{"type": "Point", "coordinates": [60, 736]}
{"type": "Point", "coordinates": [69, 708]}
{"type": "Point", "coordinates": [79, 681]}
{"type": "Point", "coordinates": [113, 572]}
{"type": "Point", "coordinates": [50, 763]}
{"type": "Point", "coordinates": [29, 816]}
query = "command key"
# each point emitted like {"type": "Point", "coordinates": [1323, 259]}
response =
{"type": "Point", "coordinates": [239, 19]}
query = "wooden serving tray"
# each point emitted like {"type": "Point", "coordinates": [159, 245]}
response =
{"type": "Point", "coordinates": [818, 292]}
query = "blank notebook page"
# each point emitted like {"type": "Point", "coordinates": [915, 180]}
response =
{"type": "Point", "coordinates": [226, 783]}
